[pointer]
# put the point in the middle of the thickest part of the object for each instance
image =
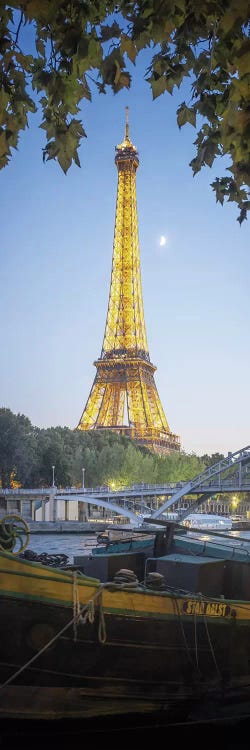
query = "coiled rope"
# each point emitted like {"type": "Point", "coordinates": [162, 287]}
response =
{"type": "Point", "coordinates": [14, 534]}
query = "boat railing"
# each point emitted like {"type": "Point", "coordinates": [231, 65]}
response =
{"type": "Point", "coordinates": [207, 543]}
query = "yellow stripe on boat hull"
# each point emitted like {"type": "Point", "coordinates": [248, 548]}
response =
{"type": "Point", "coordinates": [20, 578]}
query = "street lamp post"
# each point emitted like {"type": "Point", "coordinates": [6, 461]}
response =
{"type": "Point", "coordinates": [83, 470]}
{"type": "Point", "coordinates": [53, 476]}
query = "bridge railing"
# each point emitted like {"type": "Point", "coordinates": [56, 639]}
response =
{"type": "Point", "coordinates": [21, 491]}
{"type": "Point", "coordinates": [226, 463]}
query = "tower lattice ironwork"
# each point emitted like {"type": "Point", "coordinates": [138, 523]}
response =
{"type": "Point", "coordinates": [124, 396]}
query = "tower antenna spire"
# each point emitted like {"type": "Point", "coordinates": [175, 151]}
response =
{"type": "Point", "coordinates": [127, 125]}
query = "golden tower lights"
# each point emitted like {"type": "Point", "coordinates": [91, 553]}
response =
{"type": "Point", "coordinates": [124, 396]}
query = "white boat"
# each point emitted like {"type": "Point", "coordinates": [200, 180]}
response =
{"type": "Point", "coordinates": [207, 521]}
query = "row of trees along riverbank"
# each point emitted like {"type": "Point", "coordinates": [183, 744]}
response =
{"type": "Point", "coordinates": [28, 453]}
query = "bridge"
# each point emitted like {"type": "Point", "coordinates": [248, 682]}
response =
{"type": "Point", "coordinates": [230, 475]}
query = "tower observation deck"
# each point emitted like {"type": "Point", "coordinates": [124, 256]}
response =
{"type": "Point", "coordinates": [124, 396]}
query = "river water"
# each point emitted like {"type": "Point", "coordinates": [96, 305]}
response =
{"type": "Point", "coordinates": [66, 544]}
{"type": "Point", "coordinates": [81, 544]}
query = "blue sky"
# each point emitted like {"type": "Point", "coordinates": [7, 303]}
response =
{"type": "Point", "coordinates": [55, 263]}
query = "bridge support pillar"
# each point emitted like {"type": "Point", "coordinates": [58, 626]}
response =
{"type": "Point", "coordinates": [43, 510]}
{"type": "Point", "coordinates": [33, 510]}
{"type": "Point", "coordinates": [83, 511]}
{"type": "Point", "coordinates": [52, 507]}
{"type": "Point", "coordinates": [55, 510]}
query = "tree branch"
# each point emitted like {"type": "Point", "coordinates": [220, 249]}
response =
{"type": "Point", "coordinates": [18, 28]}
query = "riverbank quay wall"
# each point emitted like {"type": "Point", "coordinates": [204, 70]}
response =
{"type": "Point", "coordinates": [66, 527]}
{"type": "Point", "coordinates": [42, 505]}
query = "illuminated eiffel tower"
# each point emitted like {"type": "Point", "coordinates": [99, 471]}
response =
{"type": "Point", "coordinates": [124, 396]}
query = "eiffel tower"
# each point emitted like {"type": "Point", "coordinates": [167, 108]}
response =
{"type": "Point", "coordinates": [124, 396]}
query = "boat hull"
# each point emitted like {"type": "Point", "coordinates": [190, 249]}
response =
{"type": "Point", "coordinates": [116, 649]}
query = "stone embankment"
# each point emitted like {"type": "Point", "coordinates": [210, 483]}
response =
{"type": "Point", "coordinates": [65, 527]}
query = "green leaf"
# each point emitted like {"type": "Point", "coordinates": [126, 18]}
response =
{"type": "Point", "coordinates": [4, 99]}
{"type": "Point", "coordinates": [83, 47]}
{"type": "Point", "coordinates": [236, 13]}
{"type": "Point", "coordinates": [244, 58]}
{"type": "Point", "coordinates": [124, 81]}
{"type": "Point", "coordinates": [143, 40]}
{"type": "Point", "coordinates": [220, 186]}
{"type": "Point", "coordinates": [109, 32]}
{"type": "Point", "coordinates": [243, 215]}
{"type": "Point", "coordinates": [158, 86]}
{"type": "Point", "coordinates": [118, 72]}
{"type": "Point", "coordinates": [147, 12]}
{"type": "Point", "coordinates": [94, 53]}
{"type": "Point", "coordinates": [75, 127]}
{"type": "Point", "coordinates": [25, 61]}
{"type": "Point", "coordinates": [186, 114]}
{"type": "Point", "coordinates": [128, 46]}
{"type": "Point", "coordinates": [40, 47]}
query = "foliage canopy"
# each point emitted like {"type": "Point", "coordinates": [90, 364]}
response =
{"type": "Point", "coordinates": [78, 46]}
{"type": "Point", "coordinates": [27, 455]}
